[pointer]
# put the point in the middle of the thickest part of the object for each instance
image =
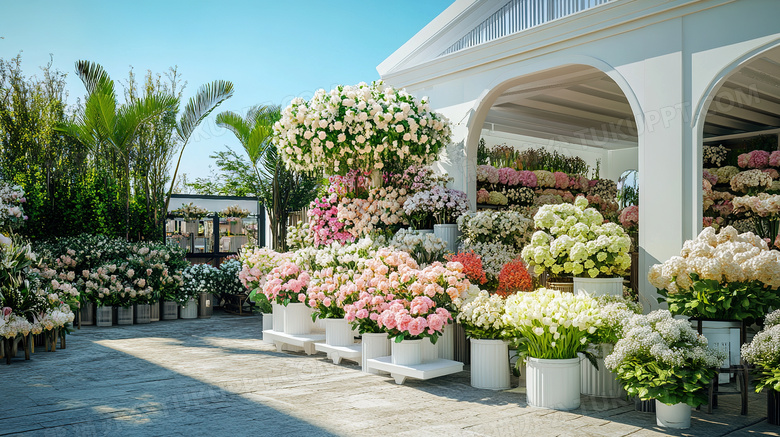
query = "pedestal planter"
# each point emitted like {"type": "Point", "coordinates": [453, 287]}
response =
{"type": "Point", "coordinates": [124, 316]}
{"type": "Point", "coordinates": [170, 310]}
{"type": "Point", "coordinates": [268, 321]}
{"type": "Point", "coordinates": [450, 234]}
{"type": "Point", "coordinates": [407, 352]}
{"type": "Point", "coordinates": [677, 416]}
{"type": "Point", "coordinates": [205, 305]}
{"type": "Point", "coordinates": [87, 313]}
{"type": "Point", "coordinates": [490, 364]}
{"type": "Point", "coordinates": [154, 312]}
{"type": "Point", "coordinates": [297, 319]}
{"type": "Point", "coordinates": [552, 383]}
{"type": "Point", "coordinates": [104, 316]}
{"type": "Point", "coordinates": [338, 332]}
{"type": "Point", "coordinates": [141, 313]}
{"type": "Point", "coordinates": [601, 383]}
{"type": "Point", "coordinates": [278, 320]}
{"type": "Point", "coordinates": [374, 346]}
{"type": "Point", "coordinates": [599, 286]}
{"type": "Point", "coordinates": [189, 310]}
{"type": "Point", "coordinates": [430, 351]}
{"type": "Point", "coordinates": [720, 336]}
{"type": "Point", "coordinates": [446, 343]}
{"type": "Point", "coordinates": [773, 407]}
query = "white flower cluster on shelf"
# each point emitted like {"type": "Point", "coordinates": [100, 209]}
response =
{"type": "Point", "coordinates": [425, 248]}
{"type": "Point", "coordinates": [359, 127]}
{"type": "Point", "coordinates": [751, 180]}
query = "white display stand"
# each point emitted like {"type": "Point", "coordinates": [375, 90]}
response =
{"type": "Point", "coordinates": [305, 341]}
{"type": "Point", "coordinates": [337, 353]}
{"type": "Point", "coordinates": [399, 372]}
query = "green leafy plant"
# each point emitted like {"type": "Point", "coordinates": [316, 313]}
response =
{"type": "Point", "coordinates": [764, 352]}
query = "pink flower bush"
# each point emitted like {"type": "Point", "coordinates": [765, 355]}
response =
{"type": "Point", "coordinates": [256, 263]}
{"type": "Point", "coordinates": [527, 178]}
{"type": "Point", "coordinates": [772, 173]}
{"type": "Point", "coordinates": [774, 159]}
{"type": "Point", "coordinates": [753, 159]}
{"type": "Point", "coordinates": [411, 320]}
{"type": "Point", "coordinates": [561, 180]}
{"type": "Point", "coordinates": [578, 182]}
{"type": "Point", "coordinates": [629, 217]}
{"type": "Point", "coordinates": [483, 196]}
{"type": "Point", "coordinates": [327, 294]}
{"type": "Point", "coordinates": [324, 224]}
{"type": "Point", "coordinates": [487, 174]}
{"type": "Point", "coordinates": [508, 176]}
{"type": "Point", "coordinates": [286, 284]}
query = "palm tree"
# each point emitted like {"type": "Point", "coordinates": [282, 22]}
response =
{"type": "Point", "coordinates": [255, 131]}
{"type": "Point", "coordinates": [208, 97]}
{"type": "Point", "coordinates": [104, 126]}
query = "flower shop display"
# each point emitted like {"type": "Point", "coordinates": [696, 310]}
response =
{"type": "Point", "coordinates": [720, 275]}
{"type": "Point", "coordinates": [714, 155]}
{"type": "Point", "coordinates": [425, 248]}
{"type": "Point", "coordinates": [751, 182]}
{"type": "Point", "coordinates": [234, 215]}
{"type": "Point", "coordinates": [755, 159]}
{"type": "Point", "coordinates": [553, 327]}
{"type": "Point", "coordinates": [764, 210]}
{"type": "Point", "coordinates": [481, 315]}
{"type": "Point", "coordinates": [663, 358]}
{"type": "Point", "coordinates": [365, 127]}
{"type": "Point", "coordinates": [573, 240]}
{"type": "Point", "coordinates": [764, 352]}
{"type": "Point", "coordinates": [256, 263]}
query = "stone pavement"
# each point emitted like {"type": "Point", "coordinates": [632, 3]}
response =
{"type": "Point", "coordinates": [215, 377]}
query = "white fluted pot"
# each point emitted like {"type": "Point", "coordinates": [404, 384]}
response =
{"type": "Point", "coordinates": [430, 351]}
{"type": "Point", "coordinates": [677, 416]}
{"type": "Point", "coordinates": [170, 310]}
{"type": "Point", "coordinates": [154, 312]}
{"type": "Point", "coordinates": [104, 316]}
{"type": "Point", "coordinates": [446, 343]}
{"type": "Point", "coordinates": [268, 321]}
{"type": "Point", "coordinates": [142, 313]}
{"type": "Point", "coordinates": [338, 332]}
{"type": "Point", "coordinates": [373, 345]}
{"type": "Point", "coordinates": [450, 234]}
{"type": "Point", "coordinates": [490, 364]}
{"type": "Point", "coordinates": [124, 315]}
{"type": "Point", "coordinates": [552, 383]}
{"type": "Point", "coordinates": [87, 313]}
{"type": "Point", "coordinates": [599, 286]}
{"type": "Point", "coordinates": [297, 319]}
{"type": "Point", "coordinates": [407, 352]}
{"type": "Point", "coordinates": [601, 383]}
{"type": "Point", "coordinates": [189, 310]}
{"type": "Point", "coordinates": [278, 320]}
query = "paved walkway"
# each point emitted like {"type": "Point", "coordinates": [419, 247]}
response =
{"type": "Point", "coordinates": [215, 377]}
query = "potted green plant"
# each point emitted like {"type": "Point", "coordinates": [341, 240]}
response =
{"type": "Point", "coordinates": [573, 240]}
{"type": "Point", "coordinates": [663, 358]}
{"type": "Point", "coordinates": [764, 352]}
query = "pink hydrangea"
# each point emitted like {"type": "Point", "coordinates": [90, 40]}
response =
{"type": "Point", "coordinates": [754, 159]}
{"type": "Point", "coordinates": [771, 172]}
{"type": "Point", "coordinates": [527, 178]}
{"type": "Point", "coordinates": [774, 159]}
{"type": "Point", "coordinates": [711, 178]}
{"type": "Point", "coordinates": [561, 180]}
{"type": "Point", "coordinates": [508, 176]}
{"type": "Point", "coordinates": [629, 217]}
{"type": "Point", "coordinates": [483, 196]}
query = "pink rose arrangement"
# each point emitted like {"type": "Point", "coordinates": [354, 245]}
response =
{"type": "Point", "coordinates": [287, 283]}
{"type": "Point", "coordinates": [579, 182]}
{"type": "Point", "coordinates": [411, 320]}
{"type": "Point", "coordinates": [324, 224]}
{"type": "Point", "coordinates": [772, 173]}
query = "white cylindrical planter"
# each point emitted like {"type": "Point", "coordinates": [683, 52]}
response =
{"type": "Point", "coordinates": [278, 320]}
{"type": "Point", "coordinates": [87, 313]}
{"type": "Point", "coordinates": [237, 227]}
{"type": "Point", "coordinates": [104, 316]}
{"type": "Point", "coordinates": [490, 364]}
{"type": "Point", "coordinates": [430, 351]}
{"type": "Point", "coordinates": [446, 343]}
{"type": "Point", "coordinates": [189, 310]}
{"type": "Point", "coordinates": [268, 321]}
{"type": "Point", "coordinates": [407, 352]}
{"type": "Point", "coordinates": [170, 310]}
{"type": "Point", "coordinates": [373, 345]}
{"type": "Point", "coordinates": [718, 334]}
{"type": "Point", "coordinates": [599, 286]}
{"type": "Point", "coordinates": [319, 326]}
{"type": "Point", "coordinates": [338, 332]}
{"type": "Point", "coordinates": [142, 313]}
{"type": "Point", "coordinates": [677, 416]}
{"type": "Point", "coordinates": [450, 234]}
{"type": "Point", "coordinates": [601, 383]}
{"type": "Point", "coordinates": [552, 383]}
{"type": "Point", "coordinates": [154, 312]}
{"type": "Point", "coordinates": [124, 316]}
{"type": "Point", "coordinates": [297, 319]}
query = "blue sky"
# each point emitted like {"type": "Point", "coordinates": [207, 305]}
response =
{"type": "Point", "coordinates": [272, 51]}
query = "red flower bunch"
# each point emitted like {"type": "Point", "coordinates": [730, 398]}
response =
{"type": "Point", "coordinates": [514, 277]}
{"type": "Point", "coordinates": [472, 266]}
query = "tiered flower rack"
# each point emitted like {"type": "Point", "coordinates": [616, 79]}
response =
{"type": "Point", "coordinates": [425, 370]}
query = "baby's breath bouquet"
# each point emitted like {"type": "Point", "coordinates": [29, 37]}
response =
{"type": "Point", "coordinates": [481, 314]}
{"type": "Point", "coordinates": [660, 357]}
{"type": "Point", "coordinates": [551, 324]}
{"type": "Point", "coordinates": [764, 352]}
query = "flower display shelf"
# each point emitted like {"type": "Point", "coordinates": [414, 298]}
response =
{"type": "Point", "coordinates": [305, 341]}
{"type": "Point", "coordinates": [338, 353]}
{"type": "Point", "coordinates": [429, 370]}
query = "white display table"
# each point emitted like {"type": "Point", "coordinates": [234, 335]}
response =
{"type": "Point", "coordinates": [432, 369]}
{"type": "Point", "coordinates": [306, 341]}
